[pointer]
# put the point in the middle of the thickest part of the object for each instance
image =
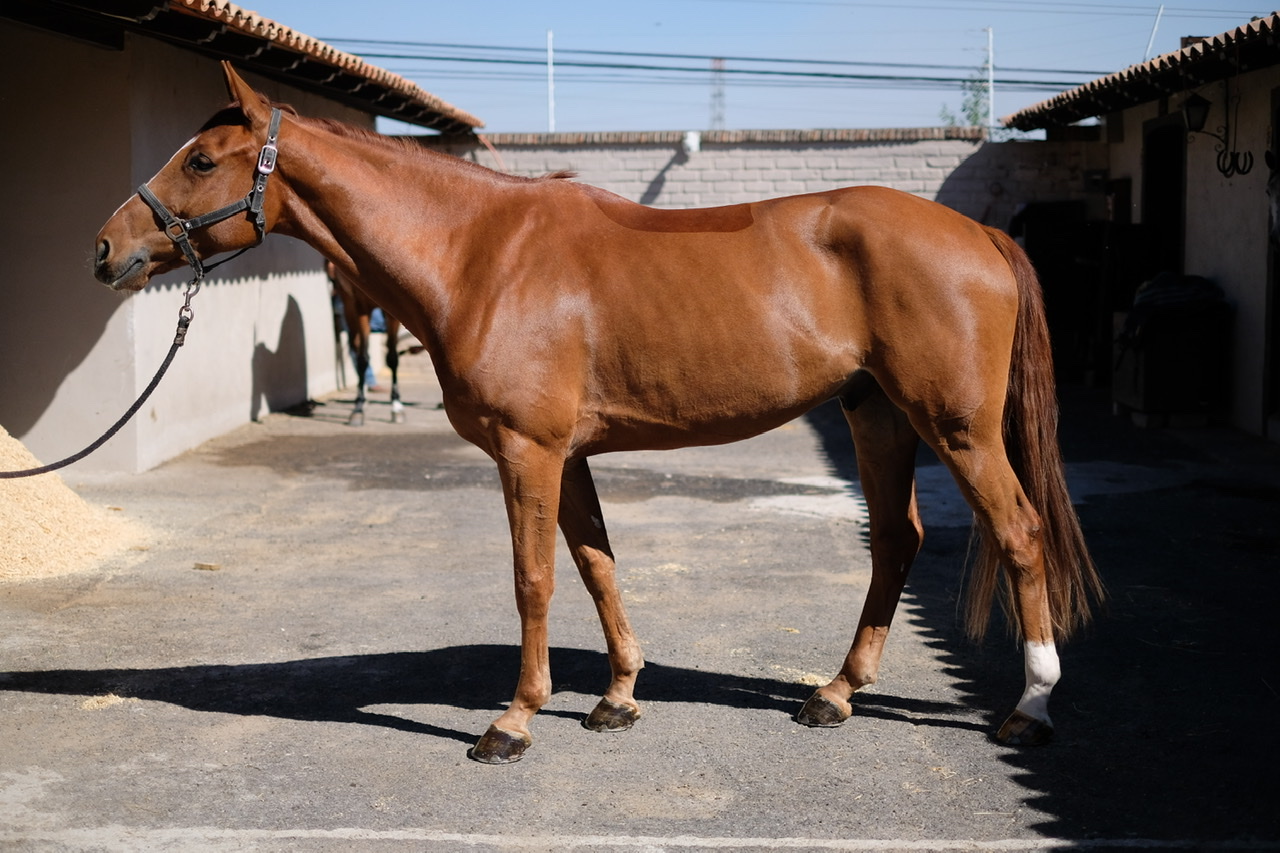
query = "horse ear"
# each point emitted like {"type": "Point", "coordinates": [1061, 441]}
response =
{"type": "Point", "coordinates": [251, 103]}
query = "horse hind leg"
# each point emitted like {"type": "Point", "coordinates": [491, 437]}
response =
{"type": "Point", "coordinates": [886, 447]}
{"type": "Point", "coordinates": [393, 364]}
{"type": "Point", "coordinates": [358, 340]}
{"type": "Point", "coordinates": [356, 418]}
{"type": "Point", "coordinates": [977, 458]}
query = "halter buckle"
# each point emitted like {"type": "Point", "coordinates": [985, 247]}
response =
{"type": "Point", "coordinates": [267, 159]}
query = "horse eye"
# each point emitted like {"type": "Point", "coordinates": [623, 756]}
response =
{"type": "Point", "coordinates": [200, 163]}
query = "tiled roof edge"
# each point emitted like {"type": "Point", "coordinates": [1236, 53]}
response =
{"type": "Point", "coordinates": [257, 26]}
{"type": "Point", "coordinates": [1267, 27]}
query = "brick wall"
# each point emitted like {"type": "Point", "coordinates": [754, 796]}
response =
{"type": "Point", "coordinates": [955, 166]}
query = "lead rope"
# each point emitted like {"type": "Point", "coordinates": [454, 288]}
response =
{"type": "Point", "coordinates": [185, 315]}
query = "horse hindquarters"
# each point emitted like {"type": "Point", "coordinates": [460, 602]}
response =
{"type": "Point", "coordinates": [963, 350]}
{"type": "Point", "coordinates": [1006, 461]}
{"type": "Point", "coordinates": [1070, 579]}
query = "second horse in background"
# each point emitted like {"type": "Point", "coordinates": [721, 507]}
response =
{"type": "Point", "coordinates": [357, 309]}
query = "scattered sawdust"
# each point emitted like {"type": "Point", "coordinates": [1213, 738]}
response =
{"type": "Point", "coordinates": [46, 529]}
{"type": "Point", "coordinates": [800, 676]}
{"type": "Point", "coordinates": [98, 703]}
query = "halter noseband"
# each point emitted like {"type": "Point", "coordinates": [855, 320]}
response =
{"type": "Point", "coordinates": [179, 230]}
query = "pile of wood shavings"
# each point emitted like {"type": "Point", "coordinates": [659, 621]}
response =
{"type": "Point", "coordinates": [46, 529]}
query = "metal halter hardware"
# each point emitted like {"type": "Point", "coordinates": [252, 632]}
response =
{"type": "Point", "coordinates": [179, 230]}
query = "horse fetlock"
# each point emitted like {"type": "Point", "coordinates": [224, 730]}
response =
{"type": "Point", "coordinates": [499, 746]}
{"type": "Point", "coordinates": [610, 716]}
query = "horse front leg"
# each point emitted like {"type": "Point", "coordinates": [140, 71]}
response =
{"type": "Point", "coordinates": [531, 488]}
{"type": "Point", "coordinates": [584, 530]}
{"type": "Point", "coordinates": [886, 446]}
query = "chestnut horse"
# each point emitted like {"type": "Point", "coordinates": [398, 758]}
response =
{"type": "Point", "coordinates": [564, 321]}
{"type": "Point", "coordinates": [357, 310]}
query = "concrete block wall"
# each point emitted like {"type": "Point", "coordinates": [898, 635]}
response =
{"type": "Point", "coordinates": [955, 166]}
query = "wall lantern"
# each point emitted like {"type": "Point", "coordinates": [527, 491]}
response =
{"type": "Point", "coordinates": [1195, 112]}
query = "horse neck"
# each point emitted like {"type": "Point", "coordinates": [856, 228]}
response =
{"type": "Point", "coordinates": [347, 200]}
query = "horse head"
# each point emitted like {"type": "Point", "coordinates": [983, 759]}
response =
{"type": "Point", "coordinates": [191, 209]}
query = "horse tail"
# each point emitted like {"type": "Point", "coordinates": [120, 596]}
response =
{"type": "Point", "coordinates": [1031, 444]}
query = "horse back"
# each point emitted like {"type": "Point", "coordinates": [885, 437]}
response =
{"type": "Point", "coordinates": [655, 328]}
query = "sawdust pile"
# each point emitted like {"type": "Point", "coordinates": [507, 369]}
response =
{"type": "Point", "coordinates": [46, 529]}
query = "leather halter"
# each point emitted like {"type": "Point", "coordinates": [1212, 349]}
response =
{"type": "Point", "coordinates": [179, 230]}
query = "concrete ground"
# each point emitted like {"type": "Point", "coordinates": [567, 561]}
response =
{"type": "Point", "coordinates": [350, 631]}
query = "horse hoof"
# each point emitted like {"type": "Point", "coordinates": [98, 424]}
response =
{"type": "Point", "coordinates": [610, 716]}
{"type": "Point", "coordinates": [356, 419]}
{"type": "Point", "coordinates": [397, 417]}
{"type": "Point", "coordinates": [1024, 730]}
{"type": "Point", "coordinates": [821, 712]}
{"type": "Point", "coordinates": [499, 747]}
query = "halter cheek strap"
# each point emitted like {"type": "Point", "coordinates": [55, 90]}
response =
{"type": "Point", "coordinates": [179, 230]}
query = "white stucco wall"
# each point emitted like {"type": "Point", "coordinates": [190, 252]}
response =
{"type": "Point", "coordinates": [1227, 236]}
{"type": "Point", "coordinates": [1225, 226]}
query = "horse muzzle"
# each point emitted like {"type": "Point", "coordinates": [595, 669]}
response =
{"type": "Point", "coordinates": [130, 273]}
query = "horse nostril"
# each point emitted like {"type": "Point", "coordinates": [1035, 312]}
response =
{"type": "Point", "coordinates": [104, 249]}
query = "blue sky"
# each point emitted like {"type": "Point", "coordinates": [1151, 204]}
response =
{"type": "Point", "coordinates": [512, 96]}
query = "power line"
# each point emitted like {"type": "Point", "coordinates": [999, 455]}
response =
{"type": "Point", "coordinates": [688, 56]}
{"type": "Point", "coordinates": [1006, 6]}
{"type": "Point", "coordinates": [735, 72]}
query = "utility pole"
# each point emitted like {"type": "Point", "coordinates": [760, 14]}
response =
{"type": "Point", "coordinates": [1151, 41]}
{"type": "Point", "coordinates": [551, 85]}
{"type": "Point", "coordinates": [717, 94]}
{"type": "Point", "coordinates": [991, 81]}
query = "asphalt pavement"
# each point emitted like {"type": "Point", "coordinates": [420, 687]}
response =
{"type": "Point", "coordinates": [322, 622]}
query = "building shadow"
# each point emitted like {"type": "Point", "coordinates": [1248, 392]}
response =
{"type": "Point", "coordinates": [1166, 711]}
{"type": "Point", "coordinates": [653, 191]}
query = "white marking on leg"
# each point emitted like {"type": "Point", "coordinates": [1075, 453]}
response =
{"type": "Point", "coordinates": [397, 406]}
{"type": "Point", "coordinates": [1040, 662]}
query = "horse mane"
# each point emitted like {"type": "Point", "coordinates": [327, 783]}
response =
{"type": "Point", "coordinates": [407, 145]}
{"type": "Point", "coordinates": [233, 115]}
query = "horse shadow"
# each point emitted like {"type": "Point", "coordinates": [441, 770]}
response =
{"type": "Point", "coordinates": [280, 376]}
{"type": "Point", "coordinates": [471, 677]}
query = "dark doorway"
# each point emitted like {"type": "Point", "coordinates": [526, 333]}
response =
{"type": "Point", "coordinates": [1271, 426]}
{"type": "Point", "coordinates": [1164, 171]}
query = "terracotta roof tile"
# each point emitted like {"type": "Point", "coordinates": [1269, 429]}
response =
{"type": "Point", "coordinates": [252, 24]}
{"type": "Point", "coordinates": [1249, 47]}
